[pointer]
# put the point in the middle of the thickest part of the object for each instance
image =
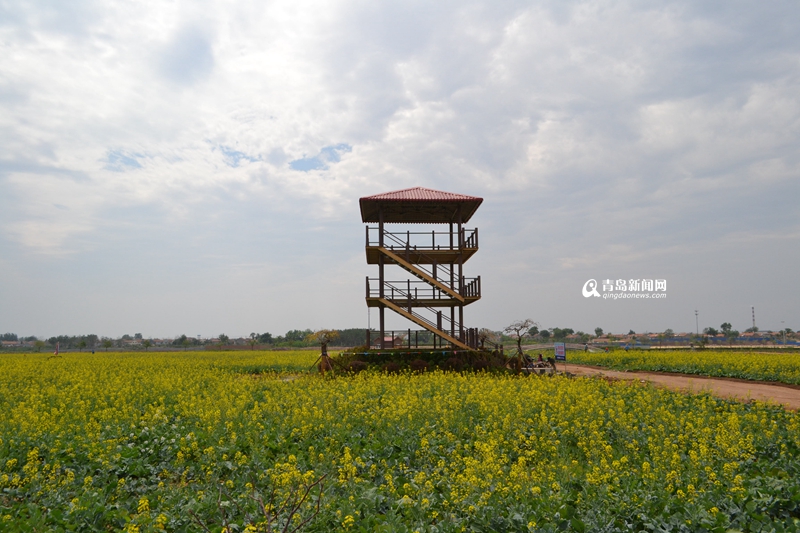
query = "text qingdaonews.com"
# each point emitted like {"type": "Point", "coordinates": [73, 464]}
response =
{"type": "Point", "coordinates": [619, 295]}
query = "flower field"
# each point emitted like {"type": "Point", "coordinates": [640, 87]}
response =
{"type": "Point", "coordinates": [782, 367]}
{"type": "Point", "coordinates": [246, 442]}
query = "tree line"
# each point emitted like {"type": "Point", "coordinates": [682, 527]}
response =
{"type": "Point", "coordinates": [295, 338]}
{"type": "Point", "coordinates": [301, 338]}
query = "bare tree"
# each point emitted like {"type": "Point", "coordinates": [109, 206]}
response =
{"type": "Point", "coordinates": [520, 329]}
{"type": "Point", "coordinates": [324, 337]}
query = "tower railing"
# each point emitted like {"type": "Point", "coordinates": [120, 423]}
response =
{"type": "Point", "coordinates": [406, 300]}
{"type": "Point", "coordinates": [441, 272]}
{"type": "Point", "coordinates": [469, 288]}
{"type": "Point", "coordinates": [423, 240]}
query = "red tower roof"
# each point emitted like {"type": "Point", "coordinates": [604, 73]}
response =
{"type": "Point", "coordinates": [419, 205]}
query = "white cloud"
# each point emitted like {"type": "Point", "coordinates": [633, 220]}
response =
{"type": "Point", "coordinates": [644, 127]}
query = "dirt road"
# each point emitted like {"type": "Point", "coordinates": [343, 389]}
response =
{"type": "Point", "coordinates": [724, 388]}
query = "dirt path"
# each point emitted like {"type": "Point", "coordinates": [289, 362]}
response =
{"type": "Point", "coordinates": [740, 390]}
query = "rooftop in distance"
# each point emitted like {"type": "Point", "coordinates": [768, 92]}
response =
{"type": "Point", "coordinates": [419, 205]}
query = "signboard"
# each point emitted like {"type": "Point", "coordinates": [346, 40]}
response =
{"type": "Point", "coordinates": [561, 351]}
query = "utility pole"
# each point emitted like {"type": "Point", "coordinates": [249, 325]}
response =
{"type": "Point", "coordinates": [753, 309]}
{"type": "Point", "coordinates": [696, 322]}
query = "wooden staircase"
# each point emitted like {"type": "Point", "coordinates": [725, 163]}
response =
{"type": "Point", "coordinates": [441, 293]}
{"type": "Point", "coordinates": [424, 322]}
{"type": "Point", "coordinates": [421, 274]}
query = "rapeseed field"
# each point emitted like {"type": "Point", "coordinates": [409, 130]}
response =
{"type": "Point", "coordinates": [248, 442]}
{"type": "Point", "coordinates": [759, 366]}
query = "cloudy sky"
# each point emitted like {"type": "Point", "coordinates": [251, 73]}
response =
{"type": "Point", "coordinates": [195, 167]}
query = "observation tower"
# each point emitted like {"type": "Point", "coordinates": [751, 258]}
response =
{"type": "Point", "coordinates": [436, 292]}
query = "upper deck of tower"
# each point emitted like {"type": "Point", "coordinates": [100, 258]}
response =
{"type": "Point", "coordinates": [419, 205]}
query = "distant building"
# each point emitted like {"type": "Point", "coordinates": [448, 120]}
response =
{"type": "Point", "coordinates": [396, 342]}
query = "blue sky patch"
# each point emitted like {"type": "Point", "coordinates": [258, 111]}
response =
{"type": "Point", "coordinates": [328, 154]}
{"type": "Point", "coordinates": [233, 157]}
{"type": "Point", "coordinates": [119, 161]}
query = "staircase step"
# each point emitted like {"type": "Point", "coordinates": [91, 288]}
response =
{"type": "Point", "coordinates": [424, 323]}
{"type": "Point", "coordinates": [424, 276]}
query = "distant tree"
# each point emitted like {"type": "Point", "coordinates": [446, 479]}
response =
{"type": "Point", "coordinates": [38, 345]}
{"type": "Point", "coordinates": [147, 344]}
{"type": "Point", "coordinates": [598, 332]}
{"type": "Point", "coordinates": [520, 329]}
{"type": "Point", "coordinates": [711, 332]}
{"type": "Point", "coordinates": [754, 329]}
{"type": "Point", "coordinates": [253, 341]}
{"type": "Point", "coordinates": [533, 331]}
{"type": "Point", "coordinates": [485, 334]}
{"type": "Point", "coordinates": [137, 336]}
{"type": "Point", "coordinates": [323, 337]}
{"type": "Point", "coordinates": [9, 337]}
{"type": "Point", "coordinates": [728, 331]}
{"type": "Point", "coordinates": [91, 340]}
{"type": "Point", "coordinates": [223, 339]}
{"type": "Point", "coordinates": [544, 334]}
{"type": "Point", "coordinates": [185, 342]}
{"type": "Point", "coordinates": [631, 332]}
{"type": "Point", "coordinates": [126, 337]}
{"type": "Point", "coordinates": [294, 335]}
{"type": "Point", "coordinates": [357, 337]}
{"type": "Point", "coordinates": [582, 336]}
{"type": "Point", "coordinates": [107, 343]}
{"type": "Point", "coordinates": [180, 341]}
{"type": "Point", "coordinates": [561, 333]}
{"type": "Point", "coordinates": [265, 338]}
{"type": "Point", "coordinates": [669, 334]}
{"type": "Point", "coordinates": [81, 345]}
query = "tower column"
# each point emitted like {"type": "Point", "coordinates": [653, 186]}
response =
{"type": "Point", "coordinates": [460, 276]}
{"type": "Point", "coordinates": [452, 321]}
{"type": "Point", "coordinates": [381, 308]}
